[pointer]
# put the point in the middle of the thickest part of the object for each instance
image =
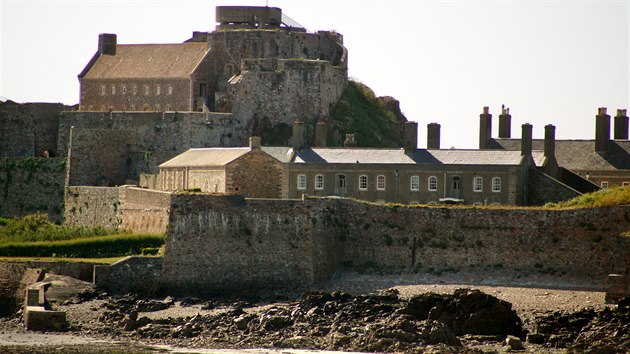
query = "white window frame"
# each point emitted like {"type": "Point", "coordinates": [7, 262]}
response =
{"type": "Point", "coordinates": [319, 182]}
{"type": "Point", "coordinates": [124, 89]}
{"type": "Point", "coordinates": [432, 184]}
{"type": "Point", "coordinates": [147, 90]}
{"type": "Point", "coordinates": [363, 182]}
{"type": "Point", "coordinates": [169, 90]}
{"type": "Point", "coordinates": [478, 184]}
{"type": "Point", "coordinates": [380, 182]}
{"type": "Point", "coordinates": [301, 182]}
{"type": "Point", "coordinates": [113, 89]}
{"type": "Point", "coordinates": [496, 184]}
{"type": "Point", "coordinates": [604, 184]}
{"type": "Point", "coordinates": [414, 183]}
{"type": "Point", "coordinates": [135, 89]}
{"type": "Point", "coordinates": [103, 90]}
{"type": "Point", "coordinates": [158, 90]}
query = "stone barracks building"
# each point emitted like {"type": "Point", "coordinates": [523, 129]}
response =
{"type": "Point", "coordinates": [404, 175]}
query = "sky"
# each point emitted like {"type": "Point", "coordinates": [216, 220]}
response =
{"type": "Point", "coordinates": [550, 62]}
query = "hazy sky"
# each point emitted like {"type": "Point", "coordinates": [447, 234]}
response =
{"type": "Point", "coordinates": [549, 61]}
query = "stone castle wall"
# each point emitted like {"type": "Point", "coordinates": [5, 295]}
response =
{"type": "Point", "coordinates": [135, 209]}
{"type": "Point", "coordinates": [113, 148]}
{"type": "Point", "coordinates": [217, 244]}
{"type": "Point", "coordinates": [29, 129]}
{"type": "Point", "coordinates": [32, 184]}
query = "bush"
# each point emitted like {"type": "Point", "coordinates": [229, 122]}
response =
{"type": "Point", "coordinates": [102, 246]}
{"type": "Point", "coordinates": [604, 197]}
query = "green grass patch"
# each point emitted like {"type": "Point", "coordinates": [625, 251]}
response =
{"type": "Point", "coordinates": [37, 227]}
{"type": "Point", "coordinates": [604, 197]}
{"type": "Point", "coordinates": [98, 246]}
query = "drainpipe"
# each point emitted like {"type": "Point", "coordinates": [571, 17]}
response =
{"type": "Point", "coordinates": [444, 185]}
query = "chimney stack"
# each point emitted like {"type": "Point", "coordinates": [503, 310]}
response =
{"type": "Point", "coordinates": [321, 134]}
{"type": "Point", "coordinates": [621, 125]}
{"type": "Point", "coordinates": [550, 140]}
{"type": "Point", "coordinates": [254, 142]}
{"type": "Point", "coordinates": [350, 141]}
{"type": "Point", "coordinates": [505, 123]}
{"type": "Point", "coordinates": [526, 139]}
{"type": "Point", "coordinates": [107, 44]}
{"type": "Point", "coordinates": [602, 130]}
{"type": "Point", "coordinates": [433, 136]}
{"type": "Point", "coordinates": [485, 128]}
{"type": "Point", "coordinates": [410, 136]}
{"type": "Point", "coordinates": [298, 135]}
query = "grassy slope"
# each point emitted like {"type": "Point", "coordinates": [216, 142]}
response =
{"type": "Point", "coordinates": [604, 197]}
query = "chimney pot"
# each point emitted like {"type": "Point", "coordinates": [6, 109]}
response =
{"type": "Point", "coordinates": [350, 141]}
{"type": "Point", "coordinates": [107, 44]}
{"type": "Point", "coordinates": [254, 142]}
{"type": "Point", "coordinates": [505, 124]}
{"type": "Point", "coordinates": [526, 139]}
{"type": "Point", "coordinates": [410, 136]}
{"type": "Point", "coordinates": [602, 130]}
{"type": "Point", "coordinates": [433, 136]}
{"type": "Point", "coordinates": [298, 135]}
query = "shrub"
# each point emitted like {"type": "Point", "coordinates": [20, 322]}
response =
{"type": "Point", "coordinates": [102, 246]}
{"type": "Point", "coordinates": [604, 197]}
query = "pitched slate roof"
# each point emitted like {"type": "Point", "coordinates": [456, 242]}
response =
{"type": "Point", "coordinates": [421, 156]}
{"type": "Point", "coordinates": [578, 154]}
{"type": "Point", "coordinates": [148, 61]}
{"type": "Point", "coordinates": [219, 157]}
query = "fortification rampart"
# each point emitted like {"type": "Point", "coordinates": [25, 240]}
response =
{"type": "Point", "coordinates": [32, 184]}
{"type": "Point", "coordinates": [135, 209]}
{"type": "Point", "coordinates": [217, 244]}
{"type": "Point", "coordinates": [111, 148]}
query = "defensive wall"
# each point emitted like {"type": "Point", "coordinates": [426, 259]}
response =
{"type": "Point", "coordinates": [136, 209]}
{"type": "Point", "coordinates": [222, 244]}
{"type": "Point", "coordinates": [111, 148]}
{"type": "Point", "coordinates": [32, 184]}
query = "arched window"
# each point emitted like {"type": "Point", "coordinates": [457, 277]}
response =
{"type": "Point", "coordinates": [301, 182]}
{"type": "Point", "coordinates": [478, 184]}
{"type": "Point", "coordinates": [432, 183]}
{"type": "Point", "coordinates": [380, 183]}
{"type": "Point", "coordinates": [496, 184]}
{"type": "Point", "coordinates": [363, 183]}
{"type": "Point", "coordinates": [414, 183]}
{"type": "Point", "coordinates": [319, 182]}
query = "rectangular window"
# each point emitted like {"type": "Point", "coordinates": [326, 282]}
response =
{"type": "Point", "coordinates": [496, 184]}
{"type": "Point", "coordinates": [113, 89]}
{"type": "Point", "coordinates": [147, 90]}
{"type": "Point", "coordinates": [103, 90]}
{"type": "Point", "coordinates": [135, 89]}
{"type": "Point", "coordinates": [380, 183]}
{"type": "Point", "coordinates": [158, 89]}
{"type": "Point", "coordinates": [124, 90]}
{"type": "Point", "coordinates": [478, 184]}
{"type": "Point", "coordinates": [168, 107]}
{"type": "Point", "coordinates": [432, 183]}
{"type": "Point", "coordinates": [169, 90]}
{"type": "Point", "coordinates": [414, 183]}
{"type": "Point", "coordinates": [301, 182]}
{"type": "Point", "coordinates": [625, 184]}
{"type": "Point", "coordinates": [363, 183]}
{"type": "Point", "coordinates": [319, 182]}
{"type": "Point", "coordinates": [604, 184]}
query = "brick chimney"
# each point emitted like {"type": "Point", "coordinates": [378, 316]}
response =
{"type": "Point", "coordinates": [505, 123]}
{"type": "Point", "coordinates": [433, 136]}
{"type": "Point", "coordinates": [550, 140]}
{"type": "Point", "coordinates": [254, 142]}
{"type": "Point", "coordinates": [298, 135]}
{"type": "Point", "coordinates": [321, 134]}
{"type": "Point", "coordinates": [350, 141]}
{"type": "Point", "coordinates": [410, 136]}
{"type": "Point", "coordinates": [526, 139]}
{"type": "Point", "coordinates": [621, 125]}
{"type": "Point", "coordinates": [485, 128]}
{"type": "Point", "coordinates": [602, 130]}
{"type": "Point", "coordinates": [107, 44]}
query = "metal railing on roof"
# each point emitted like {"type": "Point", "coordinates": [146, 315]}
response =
{"type": "Point", "coordinates": [291, 23]}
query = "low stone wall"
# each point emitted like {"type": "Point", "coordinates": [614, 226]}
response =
{"type": "Point", "coordinates": [32, 184]}
{"type": "Point", "coordinates": [93, 207]}
{"type": "Point", "coordinates": [144, 210]}
{"type": "Point", "coordinates": [139, 275]}
{"type": "Point", "coordinates": [216, 244]}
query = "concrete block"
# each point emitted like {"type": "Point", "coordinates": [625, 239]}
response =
{"type": "Point", "coordinates": [617, 287]}
{"type": "Point", "coordinates": [37, 318]}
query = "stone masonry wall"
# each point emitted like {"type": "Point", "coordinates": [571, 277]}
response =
{"type": "Point", "coordinates": [112, 148]}
{"type": "Point", "coordinates": [32, 184]}
{"type": "Point", "coordinates": [256, 175]}
{"type": "Point", "coordinates": [136, 209]}
{"type": "Point", "coordinates": [222, 244]}
{"type": "Point", "coordinates": [92, 207]}
{"type": "Point", "coordinates": [27, 130]}
{"type": "Point", "coordinates": [543, 189]}
{"type": "Point", "coordinates": [132, 274]}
